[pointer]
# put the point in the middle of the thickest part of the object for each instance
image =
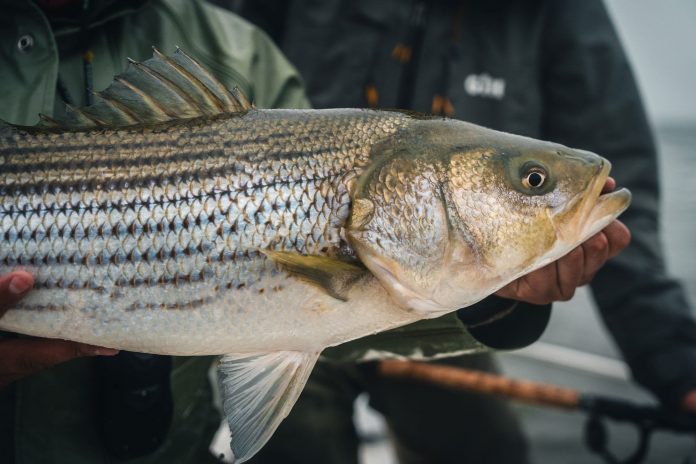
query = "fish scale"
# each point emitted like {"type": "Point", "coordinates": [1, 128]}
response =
{"type": "Point", "coordinates": [115, 199]}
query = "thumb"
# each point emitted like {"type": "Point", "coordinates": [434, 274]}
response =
{"type": "Point", "coordinates": [13, 287]}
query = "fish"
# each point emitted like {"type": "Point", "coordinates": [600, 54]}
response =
{"type": "Point", "coordinates": [173, 217]}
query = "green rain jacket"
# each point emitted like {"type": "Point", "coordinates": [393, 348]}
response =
{"type": "Point", "coordinates": [54, 416]}
{"type": "Point", "coordinates": [57, 415]}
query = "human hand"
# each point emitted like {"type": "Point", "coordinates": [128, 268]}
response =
{"type": "Point", "coordinates": [20, 357]}
{"type": "Point", "coordinates": [558, 281]}
{"type": "Point", "coordinates": [689, 402]}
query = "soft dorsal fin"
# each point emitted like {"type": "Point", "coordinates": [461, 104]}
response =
{"type": "Point", "coordinates": [163, 88]}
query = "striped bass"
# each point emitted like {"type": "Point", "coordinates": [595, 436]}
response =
{"type": "Point", "coordinates": [174, 218]}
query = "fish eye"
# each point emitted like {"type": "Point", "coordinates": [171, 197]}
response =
{"type": "Point", "coordinates": [534, 178]}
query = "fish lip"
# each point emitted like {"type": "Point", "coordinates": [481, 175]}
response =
{"type": "Point", "coordinates": [607, 208]}
{"type": "Point", "coordinates": [602, 208]}
{"type": "Point", "coordinates": [597, 209]}
{"type": "Point", "coordinates": [595, 189]}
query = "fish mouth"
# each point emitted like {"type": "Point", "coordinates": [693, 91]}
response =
{"type": "Point", "coordinates": [603, 208]}
{"type": "Point", "coordinates": [596, 209]}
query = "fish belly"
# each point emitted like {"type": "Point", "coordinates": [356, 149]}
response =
{"type": "Point", "coordinates": [150, 240]}
{"type": "Point", "coordinates": [277, 312]}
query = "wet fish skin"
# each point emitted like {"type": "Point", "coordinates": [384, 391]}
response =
{"type": "Point", "coordinates": [137, 218]}
{"type": "Point", "coordinates": [145, 237]}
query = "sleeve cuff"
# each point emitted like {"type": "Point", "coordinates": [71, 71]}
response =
{"type": "Point", "coordinates": [670, 375]}
{"type": "Point", "coordinates": [504, 324]}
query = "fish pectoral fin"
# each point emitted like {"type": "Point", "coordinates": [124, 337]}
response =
{"type": "Point", "coordinates": [258, 391]}
{"type": "Point", "coordinates": [334, 275]}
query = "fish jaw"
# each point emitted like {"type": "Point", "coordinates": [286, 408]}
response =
{"type": "Point", "coordinates": [598, 210]}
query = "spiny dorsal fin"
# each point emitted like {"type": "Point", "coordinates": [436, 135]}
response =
{"type": "Point", "coordinates": [163, 88]}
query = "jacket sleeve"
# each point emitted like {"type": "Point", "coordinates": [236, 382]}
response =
{"type": "Point", "coordinates": [592, 102]}
{"type": "Point", "coordinates": [502, 324]}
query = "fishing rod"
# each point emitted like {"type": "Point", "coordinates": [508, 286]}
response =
{"type": "Point", "coordinates": [645, 418]}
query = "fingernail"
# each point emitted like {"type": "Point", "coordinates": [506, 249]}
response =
{"type": "Point", "coordinates": [19, 285]}
{"type": "Point", "coordinates": [105, 351]}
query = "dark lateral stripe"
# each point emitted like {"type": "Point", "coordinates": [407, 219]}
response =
{"type": "Point", "coordinates": [124, 161]}
{"type": "Point", "coordinates": [219, 261]}
{"type": "Point", "coordinates": [177, 281]}
{"type": "Point", "coordinates": [158, 161]}
{"type": "Point", "coordinates": [282, 155]}
{"type": "Point", "coordinates": [194, 303]}
{"type": "Point", "coordinates": [149, 180]}
{"type": "Point", "coordinates": [122, 206]}
{"type": "Point", "coordinates": [81, 147]}
{"type": "Point", "coordinates": [49, 307]}
{"type": "Point", "coordinates": [184, 305]}
{"type": "Point", "coordinates": [184, 156]}
{"type": "Point", "coordinates": [119, 259]}
{"type": "Point", "coordinates": [171, 139]}
{"type": "Point", "coordinates": [162, 161]}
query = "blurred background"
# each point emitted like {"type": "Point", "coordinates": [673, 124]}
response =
{"type": "Point", "coordinates": [575, 350]}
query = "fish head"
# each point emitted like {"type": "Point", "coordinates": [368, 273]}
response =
{"type": "Point", "coordinates": [451, 212]}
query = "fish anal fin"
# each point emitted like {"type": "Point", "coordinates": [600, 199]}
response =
{"type": "Point", "coordinates": [334, 275]}
{"type": "Point", "coordinates": [258, 391]}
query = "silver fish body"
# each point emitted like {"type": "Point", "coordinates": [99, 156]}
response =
{"type": "Point", "coordinates": [149, 239]}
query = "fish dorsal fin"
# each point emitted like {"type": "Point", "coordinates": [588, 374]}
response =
{"type": "Point", "coordinates": [163, 88]}
{"type": "Point", "coordinates": [258, 392]}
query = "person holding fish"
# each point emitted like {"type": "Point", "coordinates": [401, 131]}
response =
{"type": "Point", "coordinates": [103, 406]}
{"type": "Point", "coordinates": [549, 69]}
{"type": "Point", "coordinates": [330, 281]}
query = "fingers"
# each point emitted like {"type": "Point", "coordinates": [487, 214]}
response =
{"type": "Point", "coordinates": [689, 402]}
{"type": "Point", "coordinates": [13, 287]}
{"type": "Point", "coordinates": [596, 252]}
{"type": "Point", "coordinates": [569, 274]}
{"type": "Point", "coordinates": [602, 247]}
{"type": "Point", "coordinates": [22, 357]}
{"type": "Point", "coordinates": [538, 287]}
{"type": "Point", "coordinates": [609, 185]}
{"type": "Point", "coordinates": [618, 237]}
{"type": "Point", "coordinates": [559, 280]}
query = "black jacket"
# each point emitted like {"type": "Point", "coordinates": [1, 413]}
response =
{"type": "Point", "coordinates": [550, 69]}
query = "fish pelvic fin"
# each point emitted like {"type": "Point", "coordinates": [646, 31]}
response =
{"type": "Point", "coordinates": [334, 275]}
{"type": "Point", "coordinates": [163, 88]}
{"type": "Point", "coordinates": [258, 391]}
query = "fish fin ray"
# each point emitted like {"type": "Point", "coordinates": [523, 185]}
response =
{"type": "Point", "coordinates": [259, 390]}
{"type": "Point", "coordinates": [160, 89]}
{"type": "Point", "coordinates": [334, 275]}
{"type": "Point", "coordinates": [46, 121]}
